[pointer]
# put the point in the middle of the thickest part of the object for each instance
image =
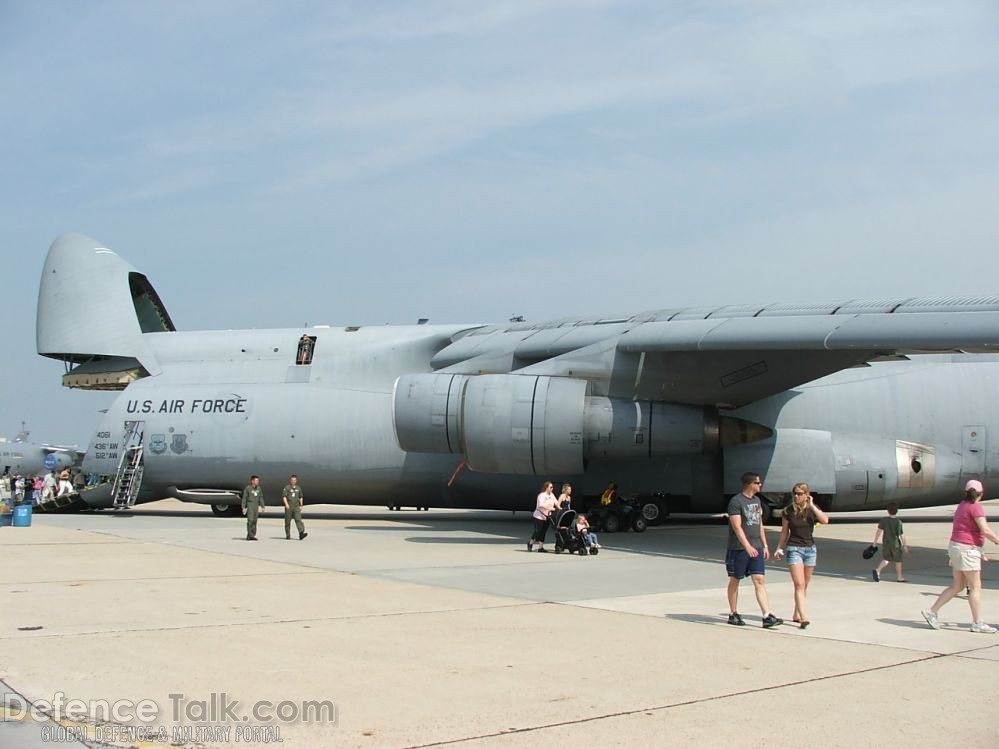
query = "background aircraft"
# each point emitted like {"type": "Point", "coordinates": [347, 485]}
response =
{"type": "Point", "coordinates": [34, 458]}
{"type": "Point", "coordinates": [672, 404]}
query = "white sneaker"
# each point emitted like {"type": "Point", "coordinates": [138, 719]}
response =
{"type": "Point", "coordinates": [931, 619]}
{"type": "Point", "coordinates": [983, 628]}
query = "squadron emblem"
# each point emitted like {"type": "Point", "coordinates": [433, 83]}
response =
{"type": "Point", "coordinates": [157, 443]}
{"type": "Point", "coordinates": [179, 443]}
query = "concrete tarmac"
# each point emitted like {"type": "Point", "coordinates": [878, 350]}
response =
{"type": "Point", "coordinates": [439, 628]}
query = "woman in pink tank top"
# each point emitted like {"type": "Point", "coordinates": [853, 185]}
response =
{"type": "Point", "coordinates": [967, 538]}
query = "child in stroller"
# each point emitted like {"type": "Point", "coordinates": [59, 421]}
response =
{"type": "Point", "coordinates": [567, 536]}
{"type": "Point", "coordinates": [589, 537]}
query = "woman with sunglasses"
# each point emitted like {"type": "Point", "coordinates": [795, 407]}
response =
{"type": "Point", "coordinates": [799, 521]}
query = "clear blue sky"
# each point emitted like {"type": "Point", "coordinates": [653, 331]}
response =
{"type": "Point", "coordinates": [270, 164]}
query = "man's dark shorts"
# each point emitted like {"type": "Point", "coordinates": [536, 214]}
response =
{"type": "Point", "coordinates": [739, 564]}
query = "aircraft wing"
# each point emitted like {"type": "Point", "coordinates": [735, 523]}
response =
{"type": "Point", "coordinates": [72, 453]}
{"type": "Point", "coordinates": [728, 356]}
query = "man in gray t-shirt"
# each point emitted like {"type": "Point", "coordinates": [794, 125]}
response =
{"type": "Point", "coordinates": [749, 509]}
{"type": "Point", "coordinates": [747, 550]}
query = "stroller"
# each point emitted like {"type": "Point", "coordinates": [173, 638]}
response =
{"type": "Point", "coordinates": [567, 538]}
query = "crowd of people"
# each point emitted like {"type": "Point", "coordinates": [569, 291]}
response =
{"type": "Point", "coordinates": [35, 489]}
{"type": "Point", "coordinates": [748, 551]}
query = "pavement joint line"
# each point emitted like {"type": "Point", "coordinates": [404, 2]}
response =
{"type": "Point", "coordinates": [377, 572]}
{"type": "Point", "coordinates": [969, 651]}
{"type": "Point", "coordinates": [306, 571]}
{"type": "Point", "coordinates": [66, 543]}
{"type": "Point", "coordinates": [258, 622]}
{"type": "Point", "coordinates": [671, 706]}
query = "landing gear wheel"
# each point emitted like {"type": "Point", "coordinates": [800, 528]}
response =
{"type": "Point", "coordinates": [769, 513]}
{"type": "Point", "coordinates": [653, 510]}
{"type": "Point", "coordinates": [225, 509]}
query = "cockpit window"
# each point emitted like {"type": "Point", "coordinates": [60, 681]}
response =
{"type": "Point", "coordinates": [306, 349]}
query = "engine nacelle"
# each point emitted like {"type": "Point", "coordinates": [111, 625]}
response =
{"type": "Point", "coordinates": [540, 425]}
{"type": "Point", "coordinates": [426, 412]}
{"type": "Point", "coordinates": [501, 423]}
{"type": "Point", "coordinates": [524, 424]}
{"type": "Point", "coordinates": [618, 428]}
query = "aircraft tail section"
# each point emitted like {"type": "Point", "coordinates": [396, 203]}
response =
{"type": "Point", "coordinates": [93, 310]}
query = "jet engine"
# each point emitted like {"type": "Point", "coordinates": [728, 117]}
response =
{"type": "Point", "coordinates": [531, 424]}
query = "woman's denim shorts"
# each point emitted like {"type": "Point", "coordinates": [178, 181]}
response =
{"type": "Point", "coordinates": [805, 555]}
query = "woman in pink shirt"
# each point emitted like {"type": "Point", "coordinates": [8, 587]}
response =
{"type": "Point", "coordinates": [967, 538]}
{"type": "Point", "coordinates": [546, 503]}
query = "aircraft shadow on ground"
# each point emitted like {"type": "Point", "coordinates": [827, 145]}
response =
{"type": "Point", "coordinates": [923, 566]}
{"type": "Point", "coordinates": [466, 541]}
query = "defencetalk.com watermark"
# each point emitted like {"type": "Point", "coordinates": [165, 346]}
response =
{"type": "Point", "coordinates": [219, 717]}
{"type": "Point", "coordinates": [116, 735]}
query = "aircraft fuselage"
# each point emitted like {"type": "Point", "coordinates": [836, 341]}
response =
{"type": "Point", "coordinates": [230, 404]}
{"type": "Point", "coordinates": [678, 402]}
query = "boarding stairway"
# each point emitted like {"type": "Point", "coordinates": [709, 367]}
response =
{"type": "Point", "coordinates": [128, 480]}
{"type": "Point", "coordinates": [66, 502]}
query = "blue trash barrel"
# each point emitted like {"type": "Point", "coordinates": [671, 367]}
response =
{"type": "Point", "coordinates": [22, 516]}
{"type": "Point", "coordinates": [6, 518]}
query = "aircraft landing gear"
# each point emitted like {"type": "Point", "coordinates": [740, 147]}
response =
{"type": "Point", "coordinates": [653, 508]}
{"type": "Point", "coordinates": [223, 509]}
{"type": "Point", "coordinates": [770, 509]}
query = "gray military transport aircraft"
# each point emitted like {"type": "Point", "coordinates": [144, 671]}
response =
{"type": "Point", "coordinates": [869, 401]}
{"type": "Point", "coordinates": [21, 455]}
